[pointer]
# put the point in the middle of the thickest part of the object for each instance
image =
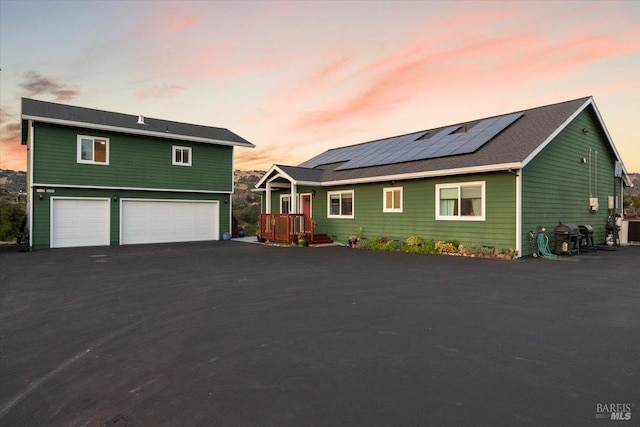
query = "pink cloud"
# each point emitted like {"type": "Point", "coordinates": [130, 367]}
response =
{"type": "Point", "coordinates": [184, 23]}
{"type": "Point", "coordinates": [12, 154]}
{"type": "Point", "coordinates": [418, 69]}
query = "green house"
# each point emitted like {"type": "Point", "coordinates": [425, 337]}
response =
{"type": "Point", "coordinates": [487, 182]}
{"type": "Point", "coordinates": [104, 178]}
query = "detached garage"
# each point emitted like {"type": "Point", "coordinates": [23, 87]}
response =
{"type": "Point", "coordinates": [79, 222]}
{"type": "Point", "coordinates": [106, 178]}
{"type": "Point", "coordinates": [164, 221]}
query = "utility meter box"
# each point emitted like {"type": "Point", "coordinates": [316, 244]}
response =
{"type": "Point", "coordinates": [593, 203]}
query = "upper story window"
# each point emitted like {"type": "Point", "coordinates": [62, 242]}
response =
{"type": "Point", "coordinates": [461, 201]}
{"type": "Point", "coordinates": [392, 199]}
{"type": "Point", "coordinates": [93, 149]}
{"type": "Point", "coordinates": [181, 156]}
{"type": "Point", "coordinates": [340, 204]}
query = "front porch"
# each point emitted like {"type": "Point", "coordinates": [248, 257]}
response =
{"type": "Point", "coordinates": [284, 228]}
{"type": "Point", "coordinates": [291, 191]}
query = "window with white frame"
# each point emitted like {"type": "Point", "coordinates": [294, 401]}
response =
{"type": "Point", "coordinates": [181, 156]}
{"type": "Point", "coordinates": [285, 204]}
{"type": "Point", "coordinates": [93, 150]}
{"type": "Point", "coordinates": [340, 204]}
{"type": "Point", "coordinates": [392, 199]}
{"type": "Point", "coordinates": [461, 201]}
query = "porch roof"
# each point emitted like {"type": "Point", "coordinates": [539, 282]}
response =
{"type": "Point", "coordinates": [293, 174]}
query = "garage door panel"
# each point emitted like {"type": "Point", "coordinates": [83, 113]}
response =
{"type": "Point", "coordinates": [163, 221]}
{"type": "Point", "coordinates": [79, 222]}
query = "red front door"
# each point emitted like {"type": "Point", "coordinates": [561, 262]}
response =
{"type": "Point", "coordinates": [305, 201]}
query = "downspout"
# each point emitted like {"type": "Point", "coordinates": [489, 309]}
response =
{"type": "Point", "coordinates": [519, 213]}
{"type": "Point", "coordinates": [233, 189]}
{"type": "Point", "coordinates": [30, 184]}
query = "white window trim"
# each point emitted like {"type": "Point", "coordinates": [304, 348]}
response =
{"type": "Point", "coordinates": [282, 197]}
{"type": "Point", "coordinates": [457, 185]}
{"type": "Point", "coordinates": [341, 192]}
{"type": "Point", "coordinates": [384, 199]}
{"type": "Point", "coordinates": [79, 158]}
{"type": "Point", "coordinates": [173, 155]}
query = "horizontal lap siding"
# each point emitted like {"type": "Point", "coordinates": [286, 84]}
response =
{"type": "Point", "coordinates": [556, 184]}
{"type": "Point", "coordinates": [134, 162]}
{"type": "Point", "coordinates": [418, 216]}
{"type": "Point", "coordinates": [42, 218]}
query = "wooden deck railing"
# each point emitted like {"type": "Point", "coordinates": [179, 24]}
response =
{"type": "Point", "coordinates": [285, 227]}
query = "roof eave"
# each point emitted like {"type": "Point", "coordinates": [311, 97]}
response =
{"type": "Point", "coordinates": [426, 174]}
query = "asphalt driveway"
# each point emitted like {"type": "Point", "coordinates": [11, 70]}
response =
{"type": "Point", "coordinates": [237, 334]}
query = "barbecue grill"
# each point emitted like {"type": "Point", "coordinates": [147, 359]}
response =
{"type": "Point", "coordinates": [567, 238]}
{"type": "Point", "coordinates": [587, 234]}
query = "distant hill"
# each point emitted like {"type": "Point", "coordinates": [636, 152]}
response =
{"type": "Point", "coordinates": [635, 178]}
{"type": "Point", "coordinates": [11, 184]}
{"type": "Point", "coordinates": [246, 203]}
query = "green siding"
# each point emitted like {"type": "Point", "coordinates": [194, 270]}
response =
{"type": "Point", "coordinates": [418, 215]}
{"type": "Point", "coordinates": [42, 209]}
{"type": "Point", "coordinates": [134, 162]}
{"type": "Point", "coordinates": [556, 185]}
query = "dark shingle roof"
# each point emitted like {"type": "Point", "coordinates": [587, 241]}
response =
{"type": "Point", "coordinates": [513, 145]}
{"type": "Point", "coordinates": [97, 119]}
{"type": "Point", "coordinates": [302, 174]}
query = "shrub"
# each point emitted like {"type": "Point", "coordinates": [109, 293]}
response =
{"type": "Point", "coordinates": [472, 249]}
{"type": "Point", "coordinates": [414, 241]}
{"type": "Point", "coordinates": [383, 244]}
{"type": "Point", "coordinates": [375, 244]}
{"type": "Point", "coordinates": [394, 246]}
{"type": "Point", "coordinates": [446, 247]}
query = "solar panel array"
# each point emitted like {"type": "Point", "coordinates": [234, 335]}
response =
{"type": "Point", "coordinates": [415, 146]}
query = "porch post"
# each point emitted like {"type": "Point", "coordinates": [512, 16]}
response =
{"type": "Point", "coordinates": [294, 199]}
{"type": "Point", "coordinates": [267, 205]}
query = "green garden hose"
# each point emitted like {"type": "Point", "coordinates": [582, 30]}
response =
{"type": "Point", "coordinates": [543, 246]}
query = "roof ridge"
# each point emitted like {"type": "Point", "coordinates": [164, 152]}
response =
{"type": "Point", "coordinates": [100, 110]}
{"type": "Point", "coordinates": [459, 123]}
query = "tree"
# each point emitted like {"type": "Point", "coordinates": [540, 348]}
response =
{"type": "Point", "coordinates": [11, 215]}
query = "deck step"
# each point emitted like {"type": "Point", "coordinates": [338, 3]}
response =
{"type": "Point", "coordinates": [321, 239]}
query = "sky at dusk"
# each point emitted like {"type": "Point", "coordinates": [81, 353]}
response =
{"type": "Point", "coordinates": [298, 78]}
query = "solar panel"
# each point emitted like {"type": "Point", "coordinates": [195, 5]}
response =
{"type": "Point", "coordinates": [449, 141]}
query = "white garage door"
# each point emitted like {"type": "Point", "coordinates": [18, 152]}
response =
{"type": "Point", "coordinates": [79, 222]}
{"type": "Point", "coordinates": [162, 221]}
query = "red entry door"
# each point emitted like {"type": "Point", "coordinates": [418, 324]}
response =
{"type": "Point", "coordinates": [306, 210]}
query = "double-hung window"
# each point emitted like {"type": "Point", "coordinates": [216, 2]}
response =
{"type": "Point", "coordinates": [461, 201]}
{"type": "Point", "coordinates": [340, 204]}
{"type": "Point", "coordinates": [181, 156]}
{"type": "Point", "coordinates": [93, 150]}
{"type": "Point", "coordinates": [392, 199]}
{"type": "Point", "coordinates": [285, 204]}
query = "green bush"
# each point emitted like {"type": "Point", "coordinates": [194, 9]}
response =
{"type": "Point", "coordinates": [413, 241]}
{"type": "Point", "coordinates": [394, 246]}
{"type": "Point", "coordinates": [383, 244]}
{"type": "Point", "coordinates": [11, 215]}
{"type": "Point", "coordinates": [447, 246]}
